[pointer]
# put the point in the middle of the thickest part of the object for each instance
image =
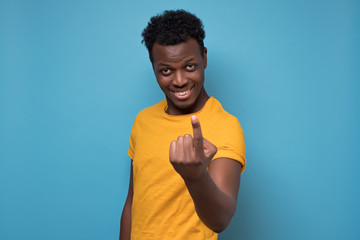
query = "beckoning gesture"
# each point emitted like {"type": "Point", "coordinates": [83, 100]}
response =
{"type": "Point", "coordinates": [190, 155]}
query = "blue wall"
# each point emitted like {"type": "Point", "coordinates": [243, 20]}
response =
{"type": "Point", "coordinates": [73, 75]}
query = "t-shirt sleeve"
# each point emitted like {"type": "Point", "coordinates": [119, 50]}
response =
{"type": "Point", "coordinates": [230, 141]}
{"type": "Point", "coordinates": [131, 151]}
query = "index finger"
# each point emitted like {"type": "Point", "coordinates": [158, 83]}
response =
{"type": "Point", "coordinates": [198, 138]}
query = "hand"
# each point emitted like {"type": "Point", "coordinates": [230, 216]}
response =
{"type": "Point", "coordinates": [191, 155]}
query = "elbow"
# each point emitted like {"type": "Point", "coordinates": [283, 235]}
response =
{"type": "Point", "coordinates": [219, 218]}
{"type": "Point", "coordinates": [221, 224]}
{"type": "Point", "coordinates": [219, 229]}
{"type": "Point", "coordinates": [224, 219]}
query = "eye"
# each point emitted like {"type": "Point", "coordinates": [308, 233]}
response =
{"type": "Point", "coordinates": [190, 67]}
{"type": "Point", "coordinates": [165, 71]}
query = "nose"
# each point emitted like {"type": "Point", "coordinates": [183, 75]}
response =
{"type": "Point", "coordinates": [180, 79]}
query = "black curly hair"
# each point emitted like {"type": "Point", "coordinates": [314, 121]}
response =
{"type": "Point", "coordinates": [173, 27]}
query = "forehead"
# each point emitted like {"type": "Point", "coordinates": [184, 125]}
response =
{"type": "Point", "coordinates": [178, 52]}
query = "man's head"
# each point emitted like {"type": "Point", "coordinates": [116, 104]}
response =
{"type": "Point", "coordinates": [179, 58]}
{"type": "Point", "coordinates": [171, 28]}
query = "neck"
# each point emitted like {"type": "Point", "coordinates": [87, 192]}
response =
{"type": "Point", "coordinates": [197, 106]}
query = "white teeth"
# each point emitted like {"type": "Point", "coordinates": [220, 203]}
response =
{"type": "Point", "coordinates": [182, 93]}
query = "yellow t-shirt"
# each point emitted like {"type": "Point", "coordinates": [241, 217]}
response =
{"type": "Point", "coordinates": [162, 207]}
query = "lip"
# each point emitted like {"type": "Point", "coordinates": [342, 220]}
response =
{"type": "Point", "coordinates": [184, 94]}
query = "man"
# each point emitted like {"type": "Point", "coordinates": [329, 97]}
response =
{"type": "Point", "coordinates": [187, 152]}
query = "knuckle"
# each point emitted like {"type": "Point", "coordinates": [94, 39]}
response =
{"type": "Point", "coordinates": [197, 140]}
{"type": "Point", "coordinates": [188, 138]}
{"type": "Point", "coordinates": [197, 163]}
{"type": "Point", "coordinates": [215, 149]}
{"type": "Point", "coordinates": [174, 160]}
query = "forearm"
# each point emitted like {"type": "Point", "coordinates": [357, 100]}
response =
{"type": "Point", "coordinates": [212, 184]}
{"type": "Point", "coordinates": [214, 207]}
{"type": "Point", "coordinates": [125, 223]}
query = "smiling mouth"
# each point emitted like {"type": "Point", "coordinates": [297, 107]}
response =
{"type": "Point", "coordinates": [182, 94]}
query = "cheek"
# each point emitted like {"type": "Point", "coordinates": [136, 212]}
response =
{"type": "Point", "coordinates": [197, 77]}
{"type": "Point", "coordinates": [163, 82]}
{"type": "Point", "coordinates": [194, 76]}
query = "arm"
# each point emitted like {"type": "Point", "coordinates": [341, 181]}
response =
{"type": "Point", "coordinates": [214, 192]}
{"type": "Point", "coordinates": [125, 224]}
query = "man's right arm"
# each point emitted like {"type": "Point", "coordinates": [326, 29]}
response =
{"type": "Point", "coordinates": [125, 224]}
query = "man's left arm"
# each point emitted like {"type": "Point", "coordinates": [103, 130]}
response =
{"type": "Point", "coordinates": [214, 191]}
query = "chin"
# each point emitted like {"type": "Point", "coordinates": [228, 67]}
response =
{"type": "Point", "coordinates": [185, 105]}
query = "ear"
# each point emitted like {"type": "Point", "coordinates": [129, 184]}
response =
{"type": "Point", "coordinates": [205, 57]}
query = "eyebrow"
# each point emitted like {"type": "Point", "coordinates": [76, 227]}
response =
{"type": "Point", "coordinates": [166, 65]}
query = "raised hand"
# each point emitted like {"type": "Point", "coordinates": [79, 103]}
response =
{"type": "Point", "coordinates": [191, 155]}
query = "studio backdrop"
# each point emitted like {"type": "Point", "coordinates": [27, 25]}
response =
{"type": "Point", "coordinates": [74, 74]}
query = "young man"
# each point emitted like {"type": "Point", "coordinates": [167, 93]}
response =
{"type": "Point", "coordinates": [187, 152]}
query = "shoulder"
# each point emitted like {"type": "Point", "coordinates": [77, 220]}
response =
{"type": "Point", "coordinates": [227, 135]}
{"type": "Point", "coordinates": [220, 126]}
{"type": "Point", "coordinates": [220, 115]}
{"type": "Point", "coordinates": [146, 117]}
{"type": "Point", "coordinates": [152, 111]}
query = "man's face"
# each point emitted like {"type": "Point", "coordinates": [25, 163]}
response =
{"type": "Point", "coordinates": [179, 70]}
